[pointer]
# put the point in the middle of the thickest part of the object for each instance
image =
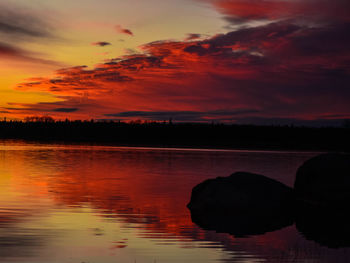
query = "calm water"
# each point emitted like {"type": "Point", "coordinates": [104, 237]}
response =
{"type": "Point", "coordinates": [104, 204]}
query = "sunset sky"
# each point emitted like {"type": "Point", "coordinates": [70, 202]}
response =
{"type": "Point", "coordinates": [242, 61]}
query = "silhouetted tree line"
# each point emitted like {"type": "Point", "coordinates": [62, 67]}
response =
{"type": "Point", "coordinates": [169, 134]}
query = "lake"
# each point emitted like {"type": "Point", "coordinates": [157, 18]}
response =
{"type": "Point", "coordinates": [76, 203]}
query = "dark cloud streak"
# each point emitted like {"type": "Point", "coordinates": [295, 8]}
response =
{"type": "Point", "coordinates": [23, 24]}
{"type": "Point", "coordinates": [101, 44]}
{"type": "Point", "coordinates": [18, 27]}
{"type": "Point", "coordinates": [67, 110]}
{"type": "Point", "coordinates": [15, 53]}
{"type": "Point", "coordinates": [182, 115]}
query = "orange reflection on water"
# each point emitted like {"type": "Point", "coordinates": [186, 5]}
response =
{"type": "Point", "coordinates": [135, 187]}
{"type": "Point", "coordinates": [144, 191]}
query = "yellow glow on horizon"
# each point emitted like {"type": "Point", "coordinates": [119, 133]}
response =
{"type": "Point", "coordinates": [11, 98]}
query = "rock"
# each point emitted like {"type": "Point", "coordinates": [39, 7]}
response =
{"type": "Point", "coordinates": [324, 182]}
{"type": "Point", "coordinates": [240, 192]}
{"type": "Point", "coordinates": [242, 204]}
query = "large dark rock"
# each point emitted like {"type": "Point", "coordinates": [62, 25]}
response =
{"type": "Point", "coordinates": [324, 181]}
{"type": "Point", "coordinates": [242, 204]}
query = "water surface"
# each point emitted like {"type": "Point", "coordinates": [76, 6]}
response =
{"type": "Point", "coordinates": [71, 203]}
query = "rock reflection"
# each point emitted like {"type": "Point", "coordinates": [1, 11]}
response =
{"type": "Point", "coordinates": [330, 228]}
{"type": "Point", "coordinates": [242, 225]}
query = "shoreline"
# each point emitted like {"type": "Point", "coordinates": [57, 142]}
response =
{"type": "Point", "coordinates": [57, 145]}
{"type": "Point", "coordinates": [220, 137]}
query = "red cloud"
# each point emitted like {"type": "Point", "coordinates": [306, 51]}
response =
{"type": "Point", "coordinates": [237, 10]}
{"type": "Point", "coordinates": [279, 70]}
{"type": "Point", "coordinates": [122, 30]}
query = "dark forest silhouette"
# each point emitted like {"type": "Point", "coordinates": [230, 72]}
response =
{"type": "Point", "coordinates": [169, 134]}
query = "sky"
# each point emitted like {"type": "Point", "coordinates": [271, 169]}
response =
{"type": "Point", "coordinates": [235, 61]}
